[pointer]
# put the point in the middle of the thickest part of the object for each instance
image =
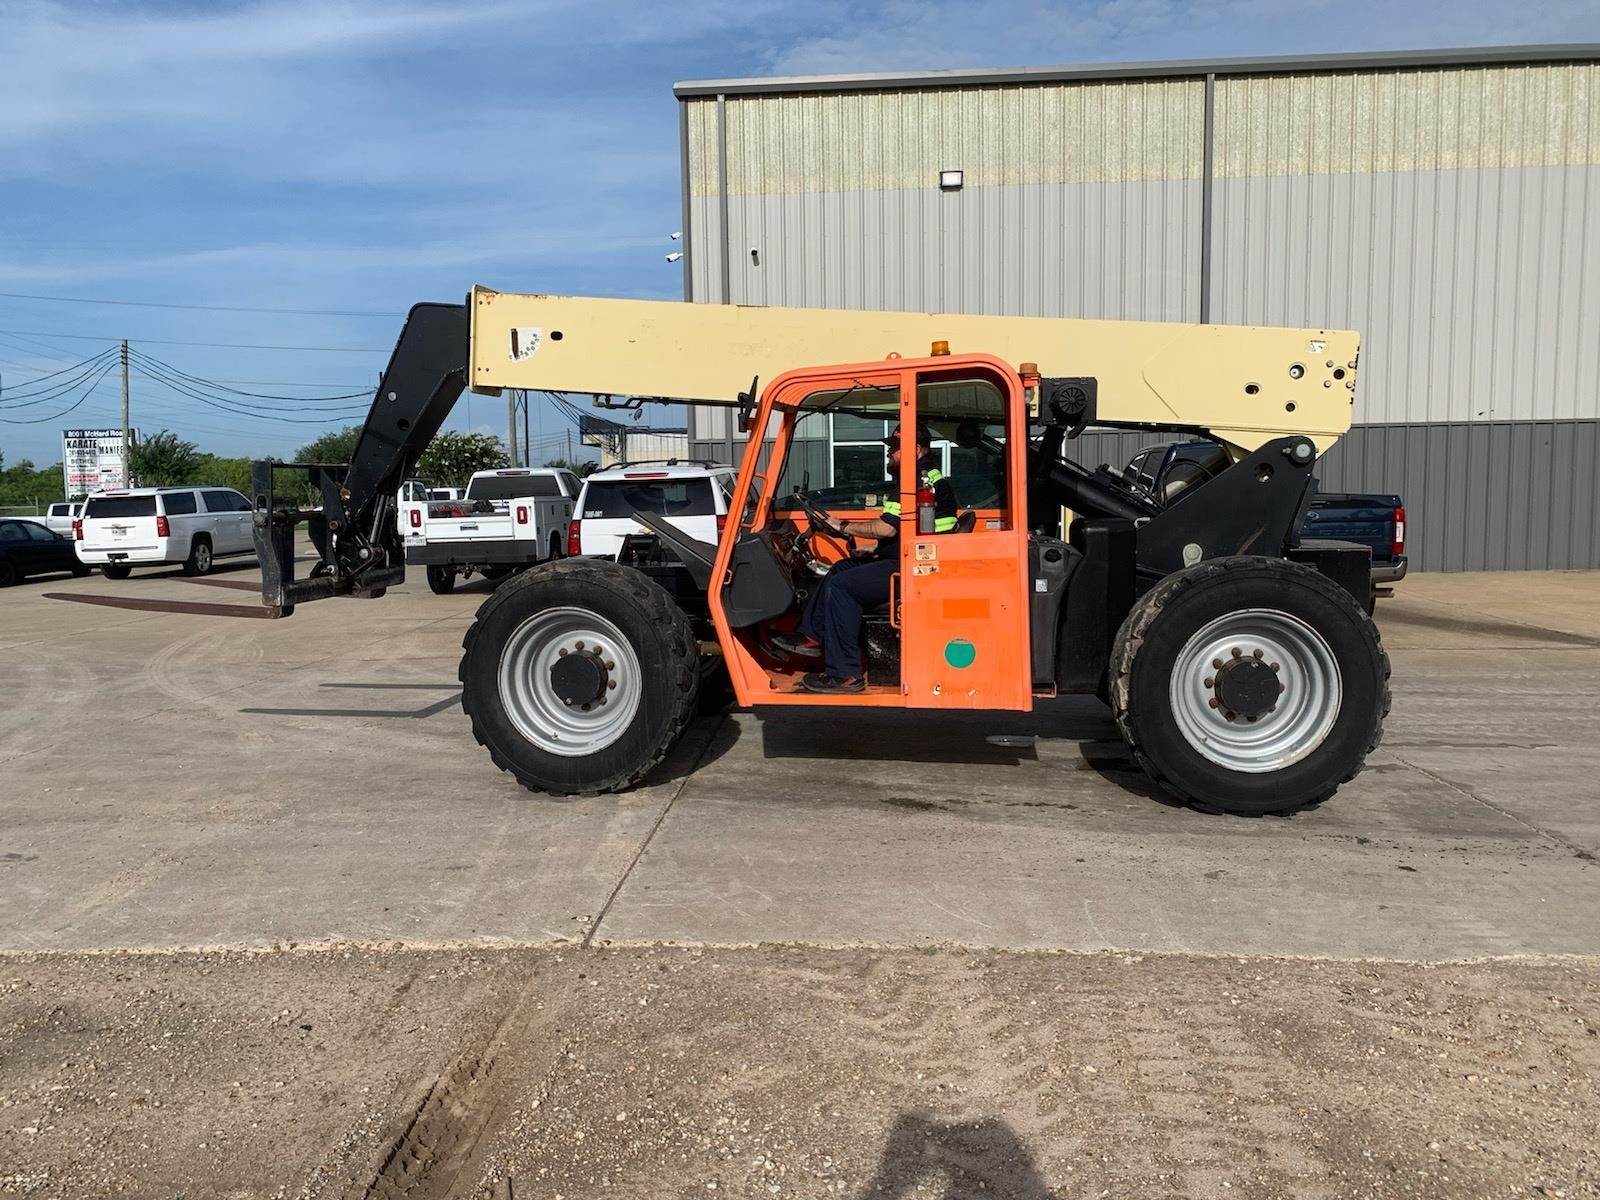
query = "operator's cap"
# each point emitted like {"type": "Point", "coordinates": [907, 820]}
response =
{"type": "Point", "coordinates": [924, 436]}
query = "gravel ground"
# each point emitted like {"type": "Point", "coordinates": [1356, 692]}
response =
{"type": "Point", "coordinates": [793, 1072]}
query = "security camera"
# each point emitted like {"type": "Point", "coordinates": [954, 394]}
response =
{"type": "Point", "coordinates": [675, 256]}
{"type": "Point", "coordinates": [675, 236]}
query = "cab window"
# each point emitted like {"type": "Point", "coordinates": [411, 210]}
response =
{"type": "Point", "coordinates": [967, 418]}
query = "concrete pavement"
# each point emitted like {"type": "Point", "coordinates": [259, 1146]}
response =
{"type": "Point", "coordinates": [174, 781]}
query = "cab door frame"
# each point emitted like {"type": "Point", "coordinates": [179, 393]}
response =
{"type": "Point", "coordinates": [965, 639]}
{"type": "Point", "coordinates": [991, 565]}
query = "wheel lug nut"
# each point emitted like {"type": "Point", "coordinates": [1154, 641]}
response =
{"type": "Point", "coordinates": [611, 685]}
{"type": "Point", "coordinates": [1212, 703]}
{"type": "Point", "coordinates": [610, 666]}
{"type": "Point", "coordinates": [563, 652]}
{"type": "Point", "coordinates": [1230, 716]}
{"type": "Point", "coordinates": [1274, 666]}
{"type": "Point", "coordinates": [1217, 663]}
{"type": "Point", "coordinates": [583, 708]}
{"type": "Point", "coordinates": [568, 703]}
{"type": "Point", "coordinates": [1209, 681]}
{"type": "Point", "coordinates": [1256, 653]}
{"type": "Point", "coordinates": [602, 700]}
{"type": "Point", "coordinates": [1254, 719]}
{"type": "Point", "coordinates": [580, 645]}
{"type": "Point", "coordinates": [1236, 652]}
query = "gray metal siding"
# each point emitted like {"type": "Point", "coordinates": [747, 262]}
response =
{"type": "Point", "coordinates": [1479, 496]}
{"type": "Point", "coordinates": [1448, 209]}
{"type": "Point", "coordinates": [1452, 216]}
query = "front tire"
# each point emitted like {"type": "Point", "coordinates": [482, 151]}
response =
{"type": "Point", "coordinates": [1251, 685]}
{"type": "Point", "coordinates": [579, 676]}
{"type": "Point", "coordinates": [200, 560]}
{"type": "Point", "coordinates": [441, 580]}
{"type": "Point", "coordinates": [116, 570]}
{"type": "Point", "coordinates": [8, 573]}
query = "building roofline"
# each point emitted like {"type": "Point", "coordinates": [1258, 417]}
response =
{"type": "Point", "coordinates": [1475, 56]}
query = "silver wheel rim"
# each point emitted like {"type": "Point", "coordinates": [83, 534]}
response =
{"type": "Point", "coordinates": [530, 700]}
{"type": "Point", "coordinates": [1307, 706]}
{"type": "Point", "coordinates": [202, 557]}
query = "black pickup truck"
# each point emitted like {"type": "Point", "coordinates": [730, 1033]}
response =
{"type": "Point", "coordinates": [1378, 521]}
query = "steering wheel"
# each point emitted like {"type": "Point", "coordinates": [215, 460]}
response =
{"type": "Point", "coordinates": [821, 522]}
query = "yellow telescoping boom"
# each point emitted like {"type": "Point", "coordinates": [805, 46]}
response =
{"type": "Point", "coordinates": [1241, 384]}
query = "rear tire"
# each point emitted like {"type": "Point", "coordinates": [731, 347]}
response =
{"type": "Point", "coordinates": [200, 560]}
{"type": "Point", "coordinates": [441, 580]}
{"type": "Point", "coordinates": [82, 569]}
{"type": "Point", "coordinates": [647, 670]}
{"type": "Point", "coordinates": [116, 570]}
{"type": "Point", "coordinates": [9, 573]}
{"type": "Point", "coordinates": [1328, 689]}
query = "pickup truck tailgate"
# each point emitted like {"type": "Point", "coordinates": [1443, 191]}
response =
{"type": "Point", "coordinates": [1352, 518]}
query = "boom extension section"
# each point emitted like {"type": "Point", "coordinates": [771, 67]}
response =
{"type": "Point", "coordinates": [357, 543]}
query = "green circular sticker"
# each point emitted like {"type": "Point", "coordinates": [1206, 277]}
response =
{"type": "Point", "coordinates": [960, 653]}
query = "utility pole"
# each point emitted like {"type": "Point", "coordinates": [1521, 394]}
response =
{"type": "Point", "coordinates": [127, 472]}
{"type": "Point", "coordinates": [527, 440]}
{"type": "Point", "coordinates": [511, 423]}
{"type": "Point", "coordinates": [569, 445]}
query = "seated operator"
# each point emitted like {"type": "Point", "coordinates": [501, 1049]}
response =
{"type": "Point", "coordinates": [830, 627]}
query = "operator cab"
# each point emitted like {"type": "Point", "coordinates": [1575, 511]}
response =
{"type": "Point", "coordinates": [955, 630]}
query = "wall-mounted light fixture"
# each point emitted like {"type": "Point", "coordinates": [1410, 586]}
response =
{"type": "Point", "coordinates": [950, 181]}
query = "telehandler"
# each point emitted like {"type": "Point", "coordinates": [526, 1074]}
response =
{"type": "Point", "coordinates": [1239, 661]}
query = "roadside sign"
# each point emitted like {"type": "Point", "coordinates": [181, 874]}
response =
{"type": "Point", "coordinates": [91, 459]}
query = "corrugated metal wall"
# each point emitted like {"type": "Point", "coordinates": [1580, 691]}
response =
{"type": "Point", "coordinates": [1451, 214]}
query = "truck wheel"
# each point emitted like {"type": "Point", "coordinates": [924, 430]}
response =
{"type": "Point", "coordinates": [556, 548]}
{"type": "Point", "coordinates": [116, 570]}
{"type": "Point", "coordinates": [579, 676]}
{"type": "Point", "coordinates": [199, 560]}
{"type": "Point", "coordinates": [441, 581]}
{"type": "Point", "coordinates": [1251, 685]}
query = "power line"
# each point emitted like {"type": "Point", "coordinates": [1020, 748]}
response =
{"type": "Point", "coordinates": [85, 337]}
{"type": "Point", "coordinates": [290, 312]}
{"type": "Point", "coordinates": [218, 385]}
{"type": "Point", "coordinates": [55, 391]}
{"type": "Point", "coordinates": [105, 370]}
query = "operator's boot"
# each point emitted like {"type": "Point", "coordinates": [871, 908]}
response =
{"type": "Point", "coordinates": [822, 682]}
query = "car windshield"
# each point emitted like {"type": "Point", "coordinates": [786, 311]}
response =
{"type": "Point", "coordinates": [120, 506]}
{"type": "Point", "coordinates": [663, 497]}
{"type": "Point", "coordinates": [512, 487]}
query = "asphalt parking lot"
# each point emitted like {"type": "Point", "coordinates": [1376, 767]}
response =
{"type": "Point", "coordinates": [298, 807]}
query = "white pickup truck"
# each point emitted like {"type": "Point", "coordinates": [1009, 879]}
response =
{"type": "Point", "coordinates": [507, 520]}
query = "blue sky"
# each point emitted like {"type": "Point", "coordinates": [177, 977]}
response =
{"type": "Point", "coordinates": [356, 156]}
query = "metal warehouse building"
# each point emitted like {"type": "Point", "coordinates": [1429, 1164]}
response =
{"type": "Point", "coordinates": [1444, 203]}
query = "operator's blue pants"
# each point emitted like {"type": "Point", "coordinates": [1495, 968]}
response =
{"type": "Point", "coordinates": [833, 612]}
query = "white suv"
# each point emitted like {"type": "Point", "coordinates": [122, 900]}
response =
{"type": "Point", "coordinates": [132, 527]}
{"type": "Point", "coordinates": [691, 495]}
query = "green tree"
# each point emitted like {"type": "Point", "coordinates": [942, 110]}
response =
{"type": "Point", "coordinates": [451, 458]}
{"type": "Point", "coordinates": [224, 472]}
{"type": "Point", "coordinates": [24, 484]}
{"type": "Point", "coordinates": [336, 447]}
{"type": "Point", "coordinates": [164, 459]}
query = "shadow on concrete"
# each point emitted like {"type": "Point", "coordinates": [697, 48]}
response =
{"type": "Point", "coordinates": [962, 1158]}
{"type": "Point", "coordinates": [707, 739]}
{"type": "Point", "coordinates": [922, 736]}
